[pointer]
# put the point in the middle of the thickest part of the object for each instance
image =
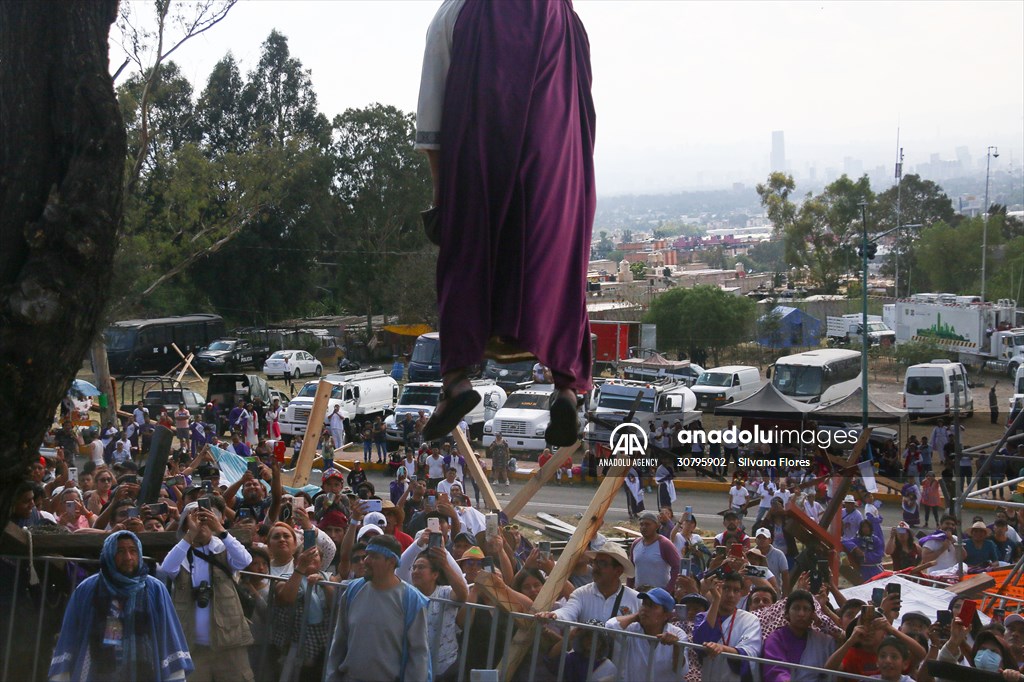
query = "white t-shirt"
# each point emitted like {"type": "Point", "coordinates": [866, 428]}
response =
{"type": "Point", "coordinates": [435, 466]}
{"type": "Point", "coordinates": [738, 496]}
{"type": "Point", "coordinates": [766, 491]}
{"type": "Point", "coordinates": [634, 655]}
{"type": "Point", "coordinates": [945, 560]}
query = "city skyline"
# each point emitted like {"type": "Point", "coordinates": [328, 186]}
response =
{"type": "Point", "coordinates": [688, 94]}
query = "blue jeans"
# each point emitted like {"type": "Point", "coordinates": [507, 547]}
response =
{"type": "Point", "coordinates": [367, 451]}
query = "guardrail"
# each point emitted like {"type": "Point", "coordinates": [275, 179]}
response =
{"type": "Point", "coordinates": [31, 612]}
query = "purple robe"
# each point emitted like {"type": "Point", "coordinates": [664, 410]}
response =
{"type": "Point", "coordinates": [517, 187]}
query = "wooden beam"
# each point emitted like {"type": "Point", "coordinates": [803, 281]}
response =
{"type": "Point", "coordinates": [835, 504]}
{"type": "Point", "coordinates": [14, 541]}
{"type": "Point", "coordinates": [314, 428]}
{"type": "Point", "coordinates": [592, 521]}
{"type": "Point", "coordinates": [476, 470]}
{"type": "Point", "coordinates": [538, 480]}
{"type": "Point", "coordinates": [188, 364]}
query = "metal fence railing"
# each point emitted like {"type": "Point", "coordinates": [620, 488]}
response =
{"type": "Point", "coordinates": [32, 609]}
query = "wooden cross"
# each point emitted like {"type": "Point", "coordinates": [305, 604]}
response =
{"type": "Point", "coordinates": [314, 429]}
{"type": "Point", "coordinates": [188, 363]}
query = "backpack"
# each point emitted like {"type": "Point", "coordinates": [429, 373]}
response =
{"type": "Point", "coordinates": [412, 602]}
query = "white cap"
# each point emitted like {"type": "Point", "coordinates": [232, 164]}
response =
{"type": "Point", "coordinates": [763, 533]}
{"type": "Point", "coordinates": [367, 529]}
{"type": "Point", "coordinates": [375, 518]}
{"type": "Point", "coordinates": [849, 499]}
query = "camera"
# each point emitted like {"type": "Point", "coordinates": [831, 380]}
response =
{"type": "Point", "coordinates": [202, 594]}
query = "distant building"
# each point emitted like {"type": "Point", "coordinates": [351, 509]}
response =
{"type": "Point", "coordinates": [786, 327]}
{"type": "Point", "coordinates": [778, 161]}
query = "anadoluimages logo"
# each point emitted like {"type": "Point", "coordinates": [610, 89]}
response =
{"type": "Point", "coordinates": [628, 440]}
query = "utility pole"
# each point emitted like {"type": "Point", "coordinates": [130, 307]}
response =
{"type": "Point", "coordinates": [989, 153]}
{"type": "Point", "coordinates": [899, 192]}
{"type": "Point", "coordinates": [864, 314]}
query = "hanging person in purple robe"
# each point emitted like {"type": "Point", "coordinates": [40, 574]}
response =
{"type": "Point", "coordinates": [506, 118]}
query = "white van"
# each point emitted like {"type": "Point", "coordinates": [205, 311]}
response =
{"type": "Point", "coordinates": [722, 385]}
{"type": "Point", "coordinates": [362, 394]}
{"type": "Point", "coordinates": [423, 396]}
{"type": "Point", "coordinates": [524, 418]}
{"type": "Point", "coordinates": [936, 388]}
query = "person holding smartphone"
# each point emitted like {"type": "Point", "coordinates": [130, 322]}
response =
{"type": "Point", "coordinates": [204, 566]}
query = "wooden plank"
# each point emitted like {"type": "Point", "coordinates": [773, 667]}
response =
{"type": "Point", "coordinates": [556, 522]}
{"type": "Point", "coordinates": [973, 587]}
{"type": "Point", "coordinates": [476, 470]}
{"type": "Point", "coordinates": [188, 364]}
{"type": "Point", "coordinates": [14, 541]}
{"type": "Point", "coordinates": [835, 504]}
{"type": "Point", "coordinates": [539, 480]}
{"type": "Point", "coordinates": [314, 429]}
{"type": "Point", "coordinates": [628, 531]}
{"type": "Point", "coordinates": [592, 521]}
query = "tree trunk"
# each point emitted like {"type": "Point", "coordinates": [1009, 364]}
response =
{"type": "Point", "coordinates": [62, 158]}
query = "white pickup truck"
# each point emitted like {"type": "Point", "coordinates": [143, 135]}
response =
{"type": "Point", "coordinates": [847, 329]}
{"type": "Point", "coordinates": [667, 400]}
{"type": "Point", "coordinates": [523, 419]}
{"type": "Point", "coordinates": [423, 395]}
{"type": "Point", "coordinates": [362, 395]}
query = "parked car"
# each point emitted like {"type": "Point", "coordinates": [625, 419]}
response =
{"type": "Point", "coordinates": [297, 363]}
{"type": "Point", "coordinates": [224, 355]}
{"type": "Point", "coordinates": [280, 396]}
{"type": "Point", "coordinates": [171, 398]}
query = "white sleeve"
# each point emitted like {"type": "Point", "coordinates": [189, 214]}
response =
{"type": "Point", "coordinates": [172, 562]}
{"type": "Point", "coordinates": [437, 57]}
{"type": "Point", "coordinates": [238, 556]}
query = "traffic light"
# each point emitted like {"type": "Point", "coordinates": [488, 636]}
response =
{"type": "Point", "coordinates": [872, 250]}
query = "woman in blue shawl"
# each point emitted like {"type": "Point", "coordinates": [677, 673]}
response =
{"type": "Point", "coordinates": [120, 624]}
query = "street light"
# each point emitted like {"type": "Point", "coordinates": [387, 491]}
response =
{"type": "Point", "coordinates": [864, 315]}
{"type": "Point", "coordinates": [989, 153]}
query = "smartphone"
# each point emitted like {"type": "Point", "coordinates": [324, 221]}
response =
{"type": "Point", "coordinates": [208, 486]}
{"type": "Point", "coordinates": [967, 611]}
{"type": "Point", "coordinates": [877, 595]}
{"type": "Point", "coordinates": [133, 512]}
{"type": "Point", "coordinates": [944, 617]}
{"type": "Point", "coordinates": [373, 505]}
{"type": "Point", "coordinates": [488, 564]}
{"type": "Point", "coordinates": [158, 509]}
{"type": "Point", "coordinates": [435, 539]}
{"type": "Point", "coordinates": [685, 566]}
{"type": "Point", "coordinates": [432, 500]}
{"type": "Point", "coordinates": [245, 513]}
{"type": "Point", "coordinates": [308, 539]}
{"type": "Point", "coordinates": [130, 479]}
{"type": "Point", "coordinates": [893, 588]}
{"type": "Point", "coordinates": [736, 550]}
{"type": "Point", "coordinates": [545, 549]}
{"type": "Point", "coordinates": [252, 464]}
{"type": "Point", "coordinates": [492, 525]}
{"type": "Point", "coordinates": [688, 514]}
{"type": "Point", "coordinates": [72, 473]}
{"type": "Point", "coordinates": [720, 551]}
{"type": "Point", "coordinates": [175, 480]}
{"type": "Point", "coordinates": [434, 525]}
{"type": "Point", "coordinates": [70, 507]}
{"type": "Point", "coordinates": [204, 503]}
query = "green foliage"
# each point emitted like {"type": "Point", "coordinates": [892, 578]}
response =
{"type": "Point", "coordinates": [603, 247]}
{"type": "Point", "coordinates": [715, 258]}
{"type": "Point", "coordinates": [639, 270]}
{"type": "Point", "coordinates": [917, 352]}
{"type": "Point", "coordinates": [701, 320]}
{"type": "Point", "coordinates": [766, 257]}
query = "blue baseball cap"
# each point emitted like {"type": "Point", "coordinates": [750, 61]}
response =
{"type": "Point", "coordinates": [659, 597]}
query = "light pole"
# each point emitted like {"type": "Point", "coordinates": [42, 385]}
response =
{"type": "Point", "coordinates": [989, 153]}
{"type": "Point", "coordinates": [899, 189]}
{"type": "Point", "coordinates": [864, 315]}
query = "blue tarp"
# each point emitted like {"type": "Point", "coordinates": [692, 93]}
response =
{"type": "Point", "coordinates": [232, 467]}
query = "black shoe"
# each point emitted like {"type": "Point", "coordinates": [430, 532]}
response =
{"type": "Point", "coordinates": [443, 422]}
{"type": "Point", "coordinates": [563, 428]}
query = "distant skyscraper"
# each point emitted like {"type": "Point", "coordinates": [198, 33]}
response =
{"type": "Point", "coordinates": [778, 151]}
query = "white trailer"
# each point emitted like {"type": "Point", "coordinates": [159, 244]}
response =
{"type": "Point", "coordinates": [980, 333]}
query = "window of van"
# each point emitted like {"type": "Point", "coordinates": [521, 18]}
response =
{"type": "Point", "coordinates": [120, 339]}
{"type": "Point", "coordinates": [925, 385]}
{"type": "Point", "coordinates": [426, 352]}
{"type": "Point", "coordinates": [715, 379]}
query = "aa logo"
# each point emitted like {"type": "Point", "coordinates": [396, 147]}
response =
{"type": "Point", "coordinates": [628, 440]}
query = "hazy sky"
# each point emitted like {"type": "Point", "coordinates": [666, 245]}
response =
{"type": "Point", "coordinates": [688, 93]}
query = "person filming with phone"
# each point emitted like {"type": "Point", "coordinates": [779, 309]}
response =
{"type": "Point", "coordinates": [204, 566]}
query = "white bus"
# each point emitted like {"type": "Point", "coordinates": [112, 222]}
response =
{"type": "Point", "coordinates": [818, 376]}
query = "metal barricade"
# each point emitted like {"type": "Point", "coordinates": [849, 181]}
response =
{"type": "Point", "coordinates": [28, 646]}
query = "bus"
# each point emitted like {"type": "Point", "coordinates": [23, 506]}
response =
{"type": "Point", "coordinates": [135, 346]}
{"type": "Point", "coordinates": [818, 376]}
